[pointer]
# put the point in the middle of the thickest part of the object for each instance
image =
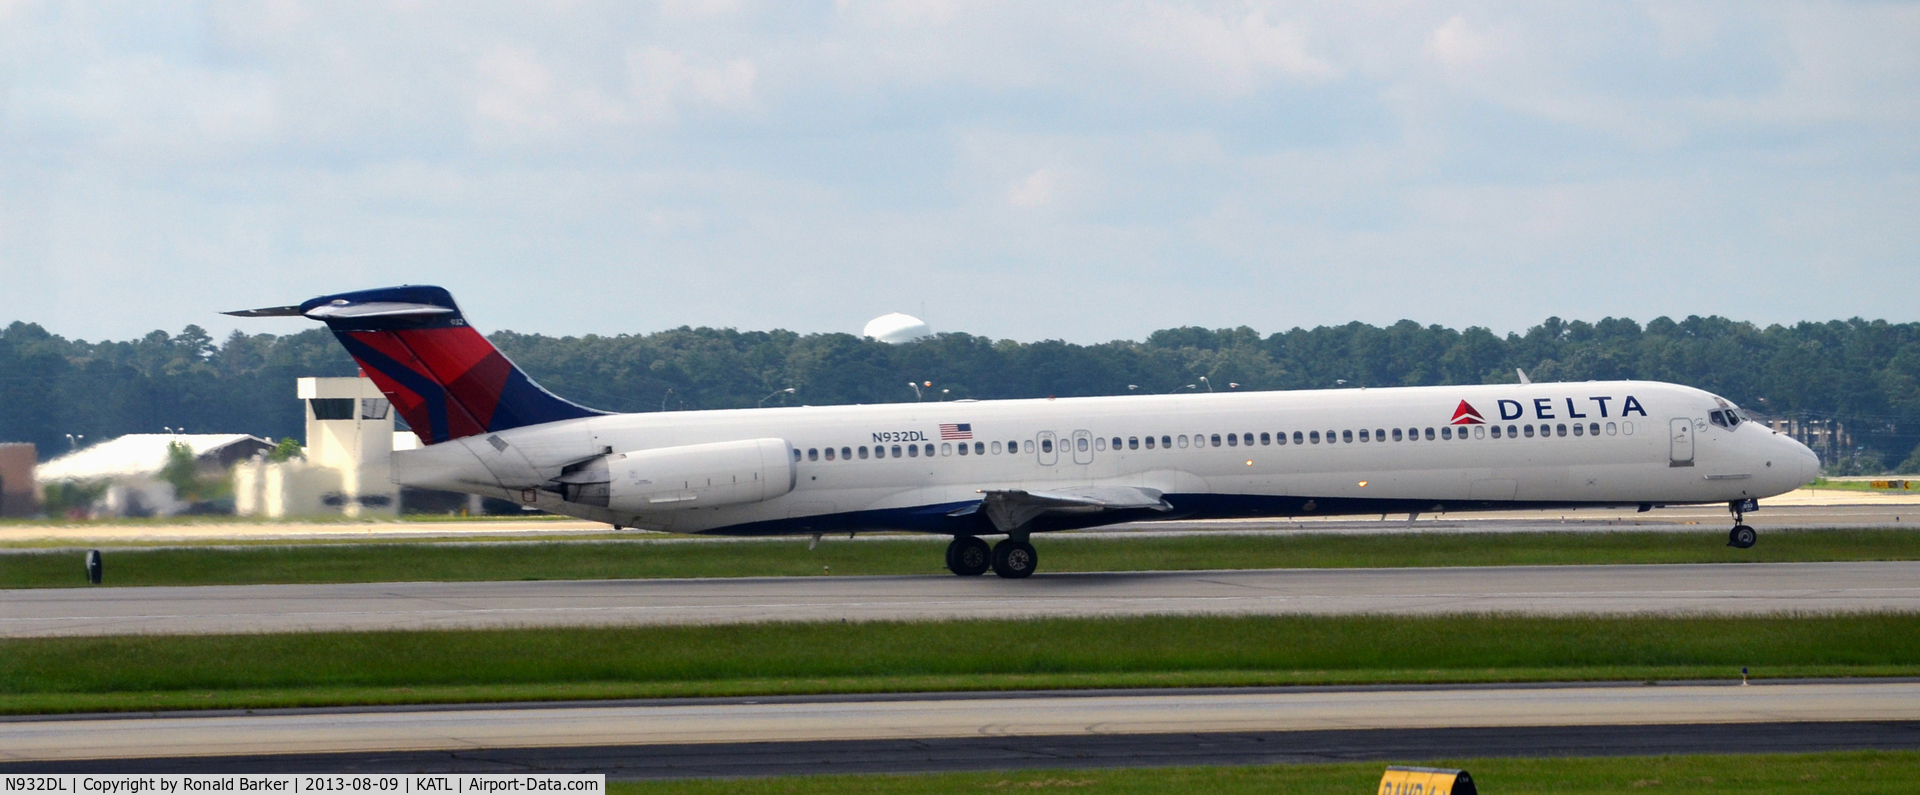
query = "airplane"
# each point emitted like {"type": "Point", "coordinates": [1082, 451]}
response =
{"type": "Point", "coordinates": [1012, 468]}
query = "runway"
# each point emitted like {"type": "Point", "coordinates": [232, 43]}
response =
{"type": "Point", "coordinates": [1703, 589]}
{"type": "Point", "coordinates": [1310, 715]}
{"type": "Point", "coordinates": [1803, 509]}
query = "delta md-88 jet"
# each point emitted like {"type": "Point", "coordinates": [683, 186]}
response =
{"type": "Point", "coordinates": [1012, 468]}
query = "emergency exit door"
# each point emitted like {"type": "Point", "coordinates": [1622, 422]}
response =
{"type": "Point", "coordinates": [1681, 440]}
{"type": "Point", "coordinates": [1083, 447]}
{"type": "Point", "coordinates": [1048, 456]}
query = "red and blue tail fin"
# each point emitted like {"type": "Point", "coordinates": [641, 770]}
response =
{"type": "Point", "coordinates": [443, 377]}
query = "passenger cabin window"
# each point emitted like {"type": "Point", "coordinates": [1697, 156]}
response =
{"type": "Point", "coordinates": [813, 454]}
{"type": "Point", "coordinates": [1046, 445]}
{"type": "Point", "coordinates": [1560, 430]}
{"type": "Point", "coordinates": [1396, 435]}
{"type": "Point", "coordinates": [1296, 437]}
{"type": "Point", "coordinates": [1610, 427]}
{"type": "Point", "coordinates": [1233, 440]}
{"type": "Point", "coordinates": [1365, 436]}
{"type": "Point", "coordinates": [1027, 446]}
{"type": "Point", "coordinates": [796, 455]}
{"type": "Point", "coordinates": [1315, 436]}
{"type": "Point", "coordinates": [996, 448]}
{"type": "Point", "coordinates": [1182, 439]}
{"type": "Point", "coordinates": [1265, 439]}
{"type": "Point", "coordinates": [946, 448]}
{"type": "Point", "coordinates": [1528, 430]}
{"type": "Point", "coordinates": [1345, 436]}
{"type": "Point", "coordinates": [1133, 442]}
{"type": "Point", "coordinates": [863, 452]}
{"type": "Point", "coordinates": [929, 448]}
{"type": "Point", "coordinates": [829, 454]}
{"type": "Point", "coordinates": [1446, 433]}
{"type": "Point", "coordinates": [1512, 432]}
{"type": "Point", "coordinates": [979, 448]}
{"type": "Point", "coordinates": [896, 451]}
{"type": "Point", "coordinates": [1496, 431]}
{"type": "Point", "coordinates": [1593, 429]}
{"type": "Point", "coordinates": [1081, 444]}
{"type": "Point", "coordinates": [1165, 442]}
{"type": "Point", "coordinates": [963, 448]}
{"type": "Point", "coordinates": [1579, 430]}
{"type": "Point", "coordinates": [1429, 434]}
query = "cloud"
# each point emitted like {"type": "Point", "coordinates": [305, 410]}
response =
{"type": "Point", "coordinates": [765, 164]}
{"type": "Point", "coordinates": [663, 82]}
{"type": "Point", "coordinates": [1232, 54]}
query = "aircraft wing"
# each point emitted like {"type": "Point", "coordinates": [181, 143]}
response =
{"type": "Point", "coordinates": [1013, 508]}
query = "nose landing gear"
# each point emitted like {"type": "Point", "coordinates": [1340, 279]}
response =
{"type": "Point", "coordinates": [1742, 536]}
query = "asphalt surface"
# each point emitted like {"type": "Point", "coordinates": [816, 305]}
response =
{"type": "Point", "coordinates": [987, 731]}
{"type": "Point", "coordinates": [734, 760]}
{"type": "Point", "coordinates": [1803, 509]}
{"type": "Point", "coordinates": [1702, 589]}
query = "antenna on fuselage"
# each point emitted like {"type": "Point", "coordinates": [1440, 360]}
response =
{"type": "Point", "coordinates": [1524, 380]}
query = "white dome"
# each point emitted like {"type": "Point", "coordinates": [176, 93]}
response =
{"type": "Point", "coordinates": [896, 328]}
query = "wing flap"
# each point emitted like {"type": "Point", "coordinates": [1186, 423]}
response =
{"type": "Point", "coordinates": [1011, 509]}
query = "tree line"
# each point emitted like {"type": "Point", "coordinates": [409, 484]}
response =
{"type": "Point", "coordinates": [1864, 375]}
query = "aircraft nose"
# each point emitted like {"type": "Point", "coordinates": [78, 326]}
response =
{"type": "Point", "coordinates": [1802, 462]}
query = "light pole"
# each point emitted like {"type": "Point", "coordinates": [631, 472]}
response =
{"type": "Point", "coordinates": [917, 396]}
{"type": "Point", "coordinates": [763, 401]}
{"type": "Point", "coordinates": [663, 398]}
{"type": "Point", "coordinates": [1203, 380]}
{"type": "Point", "coordinates": [943, 395]}
{"type": "Point", "coordinates": [73, 441]}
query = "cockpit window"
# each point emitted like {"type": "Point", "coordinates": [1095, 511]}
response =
{"type": "Point", "coordinates": [1728, 418]}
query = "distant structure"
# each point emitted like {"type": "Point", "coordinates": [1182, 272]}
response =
{"type": "Point", "coordinates": [130, 468]}
{"type": "Point", "coordinates": [349, 458]}
{"type": "Point", "coordinates": [896, 328]}
{"type": "Point", "coordinates": [18, 496]}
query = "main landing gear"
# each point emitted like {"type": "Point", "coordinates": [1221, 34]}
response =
{"type": "Point", "coordinates": [1013, 558]}
{"type": "Point", "coordinates": [1742, 536]}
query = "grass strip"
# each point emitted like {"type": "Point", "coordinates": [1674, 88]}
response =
{"type": "Point", "coordinates": [1851, 772]}
{"type": "Point", "coordinates": [47, 675]}
{"type": "Point", "coordinates": [396, 562]}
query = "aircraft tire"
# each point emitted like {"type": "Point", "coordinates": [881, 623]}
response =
{"type": "Point", "coordinates": [1742, 537]}
{"type": "Point", "coordinates": [1014, 559]}
{"type": "Point", "coordinates": [968, 556]}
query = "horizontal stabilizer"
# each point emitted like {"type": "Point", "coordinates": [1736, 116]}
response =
{"type": "Point", "coordinates": [1013, 508]}
{"type": "Point", "coordinates": [444, 378]}
{"type": "Point", "coordinates": [272, 311]}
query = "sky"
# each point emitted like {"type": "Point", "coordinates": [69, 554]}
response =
{"type": "Point", "coordinates": [1055, 170]}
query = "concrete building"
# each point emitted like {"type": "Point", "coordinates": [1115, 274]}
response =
{"type": "Point", "coordinates": [130, 468]}
{"type": "Point", "coordinates": [19, 494]}
{"type": "Point", "coordinates": [348, 468]}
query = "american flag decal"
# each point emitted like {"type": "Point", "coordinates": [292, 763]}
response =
{"type": "Point", "coordinates": [950, 431]}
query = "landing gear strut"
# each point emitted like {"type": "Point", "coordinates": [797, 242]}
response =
{"type": "Point", "coordinates": [1742, 536]}
{"type": "Point", "coordinates": [968, 556]}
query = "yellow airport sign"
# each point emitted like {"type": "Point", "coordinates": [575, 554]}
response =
{"type": "Point", "coordinates": [1426, 781]}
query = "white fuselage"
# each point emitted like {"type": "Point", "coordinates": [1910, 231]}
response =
{"type": "Point", "coordinates": [1637, 443]}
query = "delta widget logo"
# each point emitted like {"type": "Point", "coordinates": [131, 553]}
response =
{"type": "Point", "coordinates": [1466, 415]}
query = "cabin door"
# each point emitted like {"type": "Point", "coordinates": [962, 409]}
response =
{"type": "Point", "coordinates": [1083, 447]}
{"type": "Point", "coordinates": [1048, 455]}
{"type": "Point", "coordinates": [1681, 440]}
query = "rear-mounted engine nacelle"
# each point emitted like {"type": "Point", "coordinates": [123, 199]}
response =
{"type": "Point", "coordinates": [691, 476]}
